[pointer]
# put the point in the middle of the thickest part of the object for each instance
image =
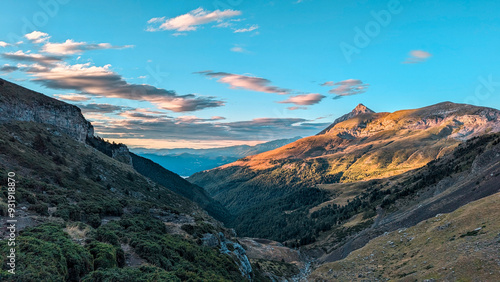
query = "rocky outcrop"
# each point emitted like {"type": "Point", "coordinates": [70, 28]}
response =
{"type": "Point", "coordinates": [21, 104]}
{"type": "Point", "coordinates": [231, 248]}
{"type": "Point", "coordinates": [238, 253]}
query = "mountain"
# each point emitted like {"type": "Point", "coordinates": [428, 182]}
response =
{"type": "Point", "coordinates": [448, 247]}
{"type": "Point", "coordinates": [84, 213]}
{"type": "Point", "coordinates": [178, 185]}
{"type": "Point", "coordinates": [287, 182]}
{"type": "Point", "coordinates": [186, 161]}
{"type": "Point", "coordinates": [359, 110]}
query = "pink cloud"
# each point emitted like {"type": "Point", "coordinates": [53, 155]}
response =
{"type": "Point", "coordinates": [190, 21]}
{"type": "Point", "coordinates": [304, 100]}
{"type": "Point", "coordinates": [238, 81]}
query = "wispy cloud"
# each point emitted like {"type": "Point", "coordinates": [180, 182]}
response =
{"type": "Point", "coordinates": [102, 82]}
{"type": "Point", "coordinates": [72, 97]}
{"type": "Point", "coordinates": [304, 100]}
{"type": "Point", "coordinates": [70, 47]}
{"type": "Point", "coordinates": [8, 68]}
{"type": "Point", "coordinates": [238, 49]}
{"type": "Point", "coordinates": [297, 108]}
{"type": "Point", "coordinates": [346, 87]}
{"type": "Point", "coordinates": [248, 29]}
{"type": "Point", "coordinates": [238, 81]}
{"type": "Point", "coordinates": [32, 57]}
{"type": "Point", "coordinates": [203, 129]}
{"type": "Point", "coordinates": [190, 21]}
{"type": "Point", "coordinates": [37, 36]}
{"type": "Point", "coordinates": [102, 108]}
{"type": "Point", "coordinates": [4, 44]}
{"type": "Point", "coordinates": [417, 56]}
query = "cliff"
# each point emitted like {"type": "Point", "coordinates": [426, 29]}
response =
{"type": "Point", "coordinates": [21, 104]}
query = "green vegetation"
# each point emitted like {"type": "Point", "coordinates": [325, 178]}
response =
{"type": "Point", "coordinates": [267, 269]}
{"type": "Point", "coordinates": [94, 212]}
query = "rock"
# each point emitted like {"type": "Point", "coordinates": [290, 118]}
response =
{"type": "Point", "coordinates": [238, 253]}
{"type": "Point", "coordinates": [210, 240]}
{"type": "Point", "coordinates": [21, 104]}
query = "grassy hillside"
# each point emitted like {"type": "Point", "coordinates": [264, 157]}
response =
{"type": "Point", "coordinates": [84, 216]}
{"type": "Point", "coordinates": [458, 246]}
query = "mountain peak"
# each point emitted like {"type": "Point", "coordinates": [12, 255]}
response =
{"type": "Point", "coordinates": [361, 109]}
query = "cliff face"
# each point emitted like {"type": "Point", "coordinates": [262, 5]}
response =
{"type": "Point", "coordinates": [19, 103]}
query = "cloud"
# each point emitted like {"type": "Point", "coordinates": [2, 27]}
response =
{"type": "Point", "coordinates": [297, 108]}
{"type": "Point", "coordinates": [237, 81]}
{"type": "Point", "coordinates": [143, 114]}
{"type": "Point", "coordinates": [304, 100]}
{"type": "Point", "coordinates": [248, 29]}
{"type": "Point", "coordinates": [195, 119]}
{"type": "Point", "coordinates": [347, 87]}
{"type": "Point", "coordinates": [102, 108]}
{"type": "Point", "coordinates": [32, 57]}
{"type": "Point", "coordinates": [70, 47]}
{"type": "Point", "coordinates": [102, 82]}
{"type": "Point", "coordinates": [4, 44]}
{"type": "Point", "coordinates": [194, 128]}
{"type": "Point", "coordinates": [328, 83]}
{"type": "Point", "coordinates": [417, 56]}
{"type": "Point", "coordinates": [37, 36]}
{"type": "Point", "coordinates": [72, 97]}
{"type": "Point", "coordinates": [8, 68]}
{"type": "Point", "coordinates": [191, 20]}
{"type": "Point", "coordinates": [238, 49]}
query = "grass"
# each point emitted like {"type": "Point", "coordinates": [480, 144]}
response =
{"type": "Point", "coordinates": [426, 250]}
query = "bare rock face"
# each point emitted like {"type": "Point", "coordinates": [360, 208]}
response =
{"type": "Point", "coordinates": [21, 104]}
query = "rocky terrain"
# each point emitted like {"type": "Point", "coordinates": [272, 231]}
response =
{"type": "Point", "coordinates": [19, 103]}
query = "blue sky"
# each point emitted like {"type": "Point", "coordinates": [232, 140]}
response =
{"type": "Point", "coordinates": [200, 74]}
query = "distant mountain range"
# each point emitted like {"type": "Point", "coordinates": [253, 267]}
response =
{"type": "Point", "coordinates": [186, 161]}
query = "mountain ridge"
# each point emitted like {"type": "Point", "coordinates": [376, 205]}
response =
{"type": "Point", "coordinates": [364, 148]}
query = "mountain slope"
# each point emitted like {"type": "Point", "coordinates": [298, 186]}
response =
{"type": "Point", "coordinates": [178, 185]}
{"type": "Point", "coordinates": [284, 182]}
{"type": "Point", "coordinates": [87, 215]}
{"type": "Point", "coordinates": [458, 246]}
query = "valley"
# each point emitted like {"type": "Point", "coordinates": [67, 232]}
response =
{"type": "Point", "coordinates": [373, 196]}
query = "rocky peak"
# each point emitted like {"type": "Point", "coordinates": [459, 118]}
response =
{"type": "Point", "coordinates": [361, 109]}
{"type": "Point", "coordinates": [358, 110]}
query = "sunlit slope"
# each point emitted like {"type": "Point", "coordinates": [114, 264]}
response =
{"type": "Point", "coordinates": [365, 146]}
{"type": "Point", "coordinates": [459, 246]}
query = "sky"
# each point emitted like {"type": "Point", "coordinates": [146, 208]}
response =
{"type": "Point", "coordinates": [202, 74]}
